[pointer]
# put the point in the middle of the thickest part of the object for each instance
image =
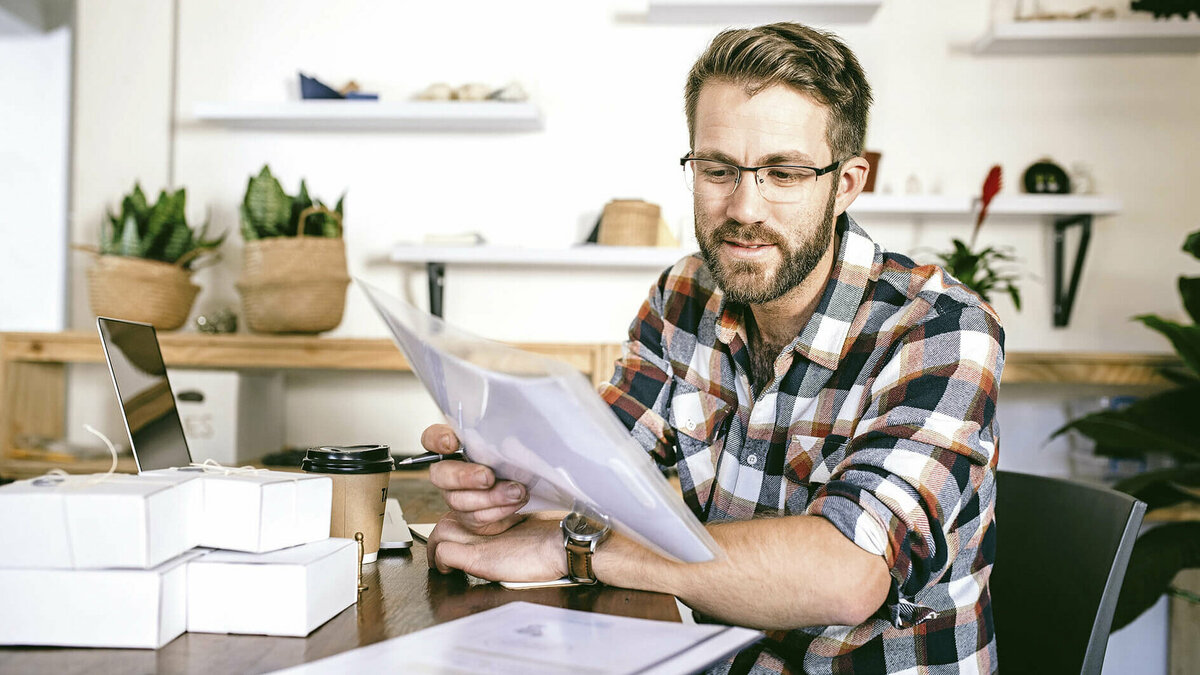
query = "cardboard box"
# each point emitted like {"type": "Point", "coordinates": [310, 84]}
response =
{"type": "Point", "coordinates": [92, 522]}
{"type": "Point", "coordinates": [230, 416]}
{"type": "Point", "coordinates": [94, 608]}
{"type": "Point", "coordinates": [264, 510]}
{"type": "Point", "coordinates": [287, 592]}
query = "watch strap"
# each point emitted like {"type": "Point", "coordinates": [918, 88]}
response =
{"type": "Point", "coordinates": [579, 563]}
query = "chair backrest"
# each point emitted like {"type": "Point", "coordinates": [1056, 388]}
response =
{"type": "Point", "coordinates": [1061, 552]}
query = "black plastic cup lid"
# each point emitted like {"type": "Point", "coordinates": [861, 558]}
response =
{"type": "Point", "coordinates": [348, 459]}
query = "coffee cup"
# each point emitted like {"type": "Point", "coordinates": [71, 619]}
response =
{"type": "Point", "coordinates": [360, 476]}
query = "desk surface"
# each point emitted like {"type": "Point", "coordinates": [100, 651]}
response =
{"type": "Point", "coordinates": [404, 596]}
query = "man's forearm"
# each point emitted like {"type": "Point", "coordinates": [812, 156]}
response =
{"type": "Point", "coordinates": [777, 573]}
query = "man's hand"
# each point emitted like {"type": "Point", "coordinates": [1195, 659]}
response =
{"type": "Point", "coordinates": [530, 551]}
{"type": "Point", "coordinates": [477, 502]}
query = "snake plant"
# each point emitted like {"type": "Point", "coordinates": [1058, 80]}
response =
{"type": "Point", "coordinates": [268, 211]}
{"type": "Point", "coordinates": [156, 232]}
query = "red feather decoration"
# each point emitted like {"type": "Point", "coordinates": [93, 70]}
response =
{"type": "Point", "coordinates": [991, 185]}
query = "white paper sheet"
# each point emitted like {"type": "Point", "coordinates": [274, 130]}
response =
{"type": "Point", "coordinates": [522, 638]}
{"type": "Point", "coordinates": [538, 421]}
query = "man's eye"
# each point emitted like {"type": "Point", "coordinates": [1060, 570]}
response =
{"type": "Point", "coordinates": [716, 173]}
{"type": "Point", "coordinates": [786, 176]}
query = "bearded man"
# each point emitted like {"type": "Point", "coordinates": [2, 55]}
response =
{"type": "Point", "coordinates": [829, 406]}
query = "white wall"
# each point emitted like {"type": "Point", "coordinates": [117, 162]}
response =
{"type": "Point", "coordinates": [35, 81]}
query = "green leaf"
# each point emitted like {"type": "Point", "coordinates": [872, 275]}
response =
{"type": "Point", "coordinates": [130, 240]}
{"type": "Point", "coordinates": [1158, 555]}
{"type": "Point", "coordinates": [1015, 294]}
{"type": "Point", "coordinates": [249, 233]}
{"type": "Point", "coordinates": [178, 243]}
{"type": "Point", "coordinates": [1185, 339]}
{"type": "Point", "coordinates": [1162, 422]}
{"type": "Point", "coordinates": [341, 200]}
{"type": "Point", "coordinates": [1161, 488]}
{"type": "Point", "coordinates": [267, 207]}
{"type": "Point", "coordinates": [1192, 244]}
{"type": "Point", "coordinates": [1189, 290]}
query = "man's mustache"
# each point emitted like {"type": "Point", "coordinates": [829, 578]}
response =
{"type": "Point", "coordinates": [743, 232]}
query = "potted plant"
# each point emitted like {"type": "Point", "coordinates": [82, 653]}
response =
{"type": "Point", "coordinates": [145, 260]}
{"type": "Point", "coordinates": [977, 270]}
{"type": "Point", "coordinates": [294, 264]}
{"type": "Point", "coordinates": [1161, 423]}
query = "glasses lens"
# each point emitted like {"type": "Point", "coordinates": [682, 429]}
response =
{"type": "Point", "coordinates": [710, 179]}
{"type": "Point", "coordinates": [784, 183]}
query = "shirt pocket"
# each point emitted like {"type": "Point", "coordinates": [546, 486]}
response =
{"type": "Point", "coordinates": [697, 416]}
{"type": "Point", "coordinates": [812, 459]}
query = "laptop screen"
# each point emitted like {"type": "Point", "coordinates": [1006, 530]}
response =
{"type": "Point", "coordinates": [144, 393]}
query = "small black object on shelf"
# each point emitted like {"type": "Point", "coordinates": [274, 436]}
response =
{"type": "Point", "coordinates": [312, 88]}
{"type": "Point", "coordinates": [1044, 177]}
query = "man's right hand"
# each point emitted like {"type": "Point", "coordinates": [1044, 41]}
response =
{"type": "Point", "coordinates": [476, 500]}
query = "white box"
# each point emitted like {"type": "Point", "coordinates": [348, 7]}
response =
{"type": "Point", "coordinates": [94, 608]}
{"type": "Point", "coordinates": [91, 522]}
{"type": "Point", "coordinates": [264, 510]}
{"type": "Point", "coordinates": [229, 416]}
{"type": "Point", "coordinates": [287, 592]}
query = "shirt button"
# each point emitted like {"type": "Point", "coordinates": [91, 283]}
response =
{"type": "Point", "coordinates": [752, 460]}
{"type": "Point", "coordinates": [690, 426]}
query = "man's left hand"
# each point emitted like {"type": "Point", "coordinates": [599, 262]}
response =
{"type": "Point", "coordinates": [531, 551]}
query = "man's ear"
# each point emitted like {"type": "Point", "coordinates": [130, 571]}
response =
{"type": "Point", "coordinates": [853, 173]}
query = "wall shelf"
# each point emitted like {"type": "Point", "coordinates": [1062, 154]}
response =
{"type": "Point", "coordinates": [761, 11]}
{"type": "Point", "coordinates": [1002, 205]}
{"type": "Point", "coordinates": [374, 115]}
{"type": "Point", "coordinates": [1091, 37]}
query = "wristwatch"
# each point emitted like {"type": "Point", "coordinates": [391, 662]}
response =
{"type": "Point", "coordinates": [581, 536]}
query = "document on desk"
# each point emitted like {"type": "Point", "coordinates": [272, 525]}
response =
{"type": "Point", "coordinates": [528, 639]}
{"type": "Point", "coordinates": [538, 421]}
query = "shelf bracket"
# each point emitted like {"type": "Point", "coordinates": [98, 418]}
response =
{"type": "Point", "coordinates": [1063, 302]}
{"type": "Point", "coordinates": [437, 283]}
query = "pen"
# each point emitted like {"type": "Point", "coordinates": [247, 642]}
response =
{"type": "Point", "coordinates": [429, 458]}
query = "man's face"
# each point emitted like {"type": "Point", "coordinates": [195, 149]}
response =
{"type": "Point", "coordinates": [759, 250]}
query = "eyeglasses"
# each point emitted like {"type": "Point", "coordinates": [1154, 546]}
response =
{"type": "Point", "coordinates": [782, 183]}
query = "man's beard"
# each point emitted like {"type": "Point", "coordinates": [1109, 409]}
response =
{"type": "Point", "coordinates": [746, 282]}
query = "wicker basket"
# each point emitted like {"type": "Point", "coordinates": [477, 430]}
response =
{"type": "Point", "coordinates": [633, 222]}
{"type": "Point", "coordinates": [294, 284]}
{"type": "Point", "coordinates": [136, 289]}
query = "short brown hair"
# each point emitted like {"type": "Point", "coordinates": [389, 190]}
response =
{"type": "Point", "coordinates": [808, 60]}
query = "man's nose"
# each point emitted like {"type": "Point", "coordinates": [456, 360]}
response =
{"type": "Point", "coordinates": [746, 204]}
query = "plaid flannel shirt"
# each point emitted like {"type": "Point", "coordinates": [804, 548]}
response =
{"type": "Point", "coordinates": [880, 419]}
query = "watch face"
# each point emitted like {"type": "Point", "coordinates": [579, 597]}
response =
{"type": "Point", "coordinates": [583, 528]}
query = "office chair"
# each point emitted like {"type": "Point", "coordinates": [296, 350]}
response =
{"type": "Point", "coordinates": [1061, 552]}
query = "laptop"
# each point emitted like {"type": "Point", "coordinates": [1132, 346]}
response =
{"type": "Point", "coordinates": [144, 393]}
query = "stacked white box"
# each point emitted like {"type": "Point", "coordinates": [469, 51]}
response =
{"type": "Point", "coordinates": [260, 511]}
{"type": "Point", "coordinates": [129, 608]}
{"type": "Point", "coordinates": [287, 592]}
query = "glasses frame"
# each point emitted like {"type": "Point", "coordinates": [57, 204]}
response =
{"type": "Point", "coordinates": [817, 172]}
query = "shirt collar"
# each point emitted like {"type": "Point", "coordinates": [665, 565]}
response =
{"type": "Point", "coordinates": [857, 264]}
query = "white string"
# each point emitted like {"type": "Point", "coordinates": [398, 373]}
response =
{"type": "Point", "coordinates": [58, 476]}
{"type": "Point", "coordinates": [212, 465]}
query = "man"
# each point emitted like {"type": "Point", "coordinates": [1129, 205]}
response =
{"type": "Point", "coordinates": [829, 406]}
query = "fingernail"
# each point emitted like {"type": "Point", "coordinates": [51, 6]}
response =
{"type": "Point", "coordinates": [514, 492]}
{"type": "Point", "coordinates": [449, 443]}
{"type": "Point", "coordinates": [481, 478]}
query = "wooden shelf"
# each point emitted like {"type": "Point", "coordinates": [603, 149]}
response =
{"type": "Point", "coordinates": [1086, 368]}
{"type": "Point", "coordinates": [761, 11]}
{"type": "Point", "coordinates": [1091, 37]}
{"type": "Point", "coordinates": [375, 115]}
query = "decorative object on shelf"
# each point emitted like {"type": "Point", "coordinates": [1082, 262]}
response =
{"type": "Point", "coordinates": [975, 269]}
{"type": "Point", "coordinates": [294, 274]}
{"type": "Point", "coordinates": [145, 261]}
{"type": "Point", "coordinates": [512, 92]}
{"type": "Point", "coordinates": [312, 88]}
{"type": "Point", "coordinates": [1036, 13]}
{"type": "Point", "coordinates": [1162, 422]}
{"type": "Point", "coordinates": [1082, 180]}
{"type": "Point", "coordinates": [215, 323]}
{"type": "Point", "coordinates": [1044, 177]}
{"type": "Point", "coordinates": [872, 160]}
{"type": "Point", "coordinates": [1165, 9]}
{"type": "Point", "coordinates": [632, 222]}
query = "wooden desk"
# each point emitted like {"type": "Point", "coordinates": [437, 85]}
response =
{"type": "Point", "coordinates": [404, 596]}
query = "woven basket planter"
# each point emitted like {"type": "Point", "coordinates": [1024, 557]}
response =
{"type": "Point", "coordinates": [149, 291]}
{"type": "Point", "coordinates": [633, 222]}
{"type": "Point", "coordinates": [294, 284]}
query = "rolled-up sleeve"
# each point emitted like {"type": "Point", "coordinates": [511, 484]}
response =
{"type": "Point", "coordinates": [920, 453]}
{"type": "Point", "coordinates": [640, 387]}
